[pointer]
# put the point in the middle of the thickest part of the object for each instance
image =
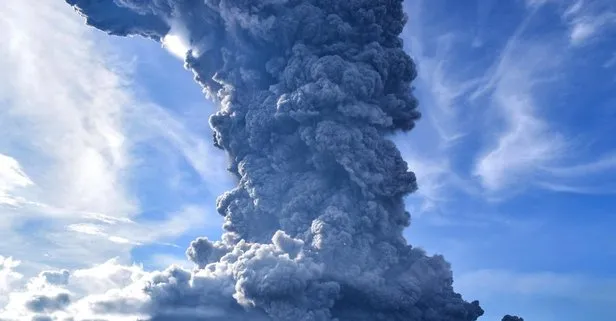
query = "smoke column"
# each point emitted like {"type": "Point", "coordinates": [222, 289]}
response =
{"type": "Point", "coordinates": [309, 91]}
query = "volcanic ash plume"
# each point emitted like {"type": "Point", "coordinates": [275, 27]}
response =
{"type": "Point", "coordinates": [308, 92]}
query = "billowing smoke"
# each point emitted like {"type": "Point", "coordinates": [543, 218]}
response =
{"type": "Point", "coordinates": [309, 91]}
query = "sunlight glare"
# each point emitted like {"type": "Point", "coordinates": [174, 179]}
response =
{"type": "Point", "coordinates": [175, 45]}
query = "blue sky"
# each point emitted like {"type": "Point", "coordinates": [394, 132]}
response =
{"type": "Point", "coordinates": [106, 152]}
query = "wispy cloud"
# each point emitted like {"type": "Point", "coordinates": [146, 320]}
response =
{"type": "Point", "coordinates": [71, 125]}
{"type": "Point", "coordinates": [592, 167]}
{"type": "Point", "coordinates": [594, 176]}
{"type": "Point", "coordinates": [162, 125]}
{"type": "Point", "coordinates": [589, 20]}
{"type": "Point", "coordinates": [513, 140]}
{"type": "Point", "coordinates": [11, 178]}
{"type": "Point", "coordinates": [442, 89]}
{"type": "Point", "coordinates": [149, 230]}
{"type": "Point", "coordinates": [63, 119]}
{"type": "Point", "coordinates": [579, 287]}
{"type": "Point", "coordinates": [511, 87]}
{"type": "Point", "coordinates": [68, 115]}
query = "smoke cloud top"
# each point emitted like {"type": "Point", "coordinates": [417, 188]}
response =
{"type": "Point", "coordinates": [309, 91]}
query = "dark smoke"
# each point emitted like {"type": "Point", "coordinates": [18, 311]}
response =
{"type": "Point", "coordinates": [309, 92]}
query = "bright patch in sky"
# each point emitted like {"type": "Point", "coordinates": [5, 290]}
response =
{"type": "Point", "coordinates": [176, 45]}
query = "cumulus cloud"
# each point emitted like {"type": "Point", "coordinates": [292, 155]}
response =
{"type": "Point", "coordinates": [56, 295]}
{"type": "Point", "coordinates": [8, 277]}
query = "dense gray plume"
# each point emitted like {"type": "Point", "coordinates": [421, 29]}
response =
{"type": "Point", "coordinates": [309, 91]}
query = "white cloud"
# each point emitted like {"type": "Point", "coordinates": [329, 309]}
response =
{"type": "Point", "coordinates": [526, 143]}
{"type": "Point", "coordinates": [610, 62]}
{"type": "Point", "coordinates": [523, 148]}
{"type": "Point", "coordinates": [515, 141]}
{"type": "Point", "coordinates": [81, 287]}
{"type": "Point", "coordinates": [537, 3]}
{"type": "Point", "coordinates": [530, 150]}
{"type": "Point", "coordinates": [104, 277]}
{"type": "Point", "coordinates": [442, 89]}
{"type": "Point", "coordinates": [63, 106]}
{"type": "Point", "coordinates": [63, 116]}
{"type": "Point", "coordinates": [573, 9]}
{"type": "Point", "coordinates": [91, 229]}
{"type": "Point", "coordinates": [589, 19]}
{"type": "Point", "coordinates": [577, 189]}
{"type": "Point", "coordinates": [502, 98]}
{"type": "Point", "coordinates": [72, 119]}
{"type": "Point", "coordinates": [11, 177]}
{"type": "Point", "coordinates": [150, 231]}
{"type": "Point", "coordinates": [596, 166]}
{"type": "Point", "coordinates": [592, 176]}
{"type": "Point", "coordinates": [8, 277]}
{"type": "Point", "coordinates": [198, 152]}
{"type": "Point", "coordinates": [175, 41]}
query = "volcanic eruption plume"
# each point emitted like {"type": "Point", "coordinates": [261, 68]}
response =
{"type": "Point", "coordinates": [309, 91]}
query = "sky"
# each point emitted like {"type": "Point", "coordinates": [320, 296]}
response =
{"type": "Point", "coordinates": [106, 159]}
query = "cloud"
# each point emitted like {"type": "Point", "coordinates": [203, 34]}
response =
{"type": "Point", "coordinates": [496, 111]}
{"type": "Point", "coordinates": [74, 122]}
{"type": "Point", "coordinates": [503, 98]}
{"type": "Point", "coordinates": [589, 20]}
{"type": "Point", "coordinates": [593, 176]}
{"type": "Point", "coordinates": [8, 277]}
{"type": "Point", "coordinates": [577, 189]}
{"type": "Point", "coordinates": [65, 127]}
{"type": "Point", "coordinates": [578, 287]}
{"type": "Point", "coordinates": [511, 86]}
{"type": "Point", "coordinates": [162, 128]}
{"type": "Point", "coordinates": [72, 125]}
{"type": "Point", "coordinates": [11, 177]}
{"type": "Point", "coordinates": [610, 62]}
{"type": "Point", "coordinates": [148, 230]}
{"type": "Point", "coordinates": [442, 89]}
{"type": "Point", "coordinates": [520, 85]}
{"type": "Point", "coordinates": [592, 167]}
{"type": "Point", "coordinates": [59, 294]}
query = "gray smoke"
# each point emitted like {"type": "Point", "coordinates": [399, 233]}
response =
{"type": "Point", "coordinates": [45, 303]}
{"type": "Point", "coordinates": [309, 91]}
